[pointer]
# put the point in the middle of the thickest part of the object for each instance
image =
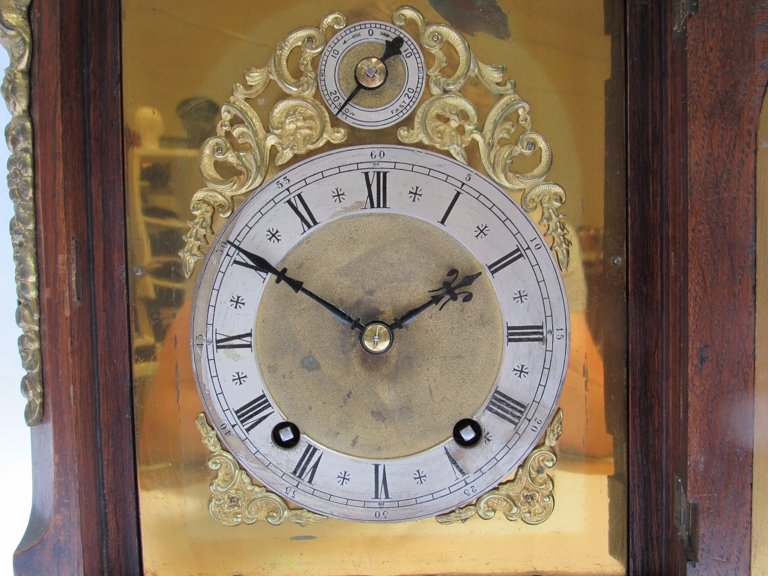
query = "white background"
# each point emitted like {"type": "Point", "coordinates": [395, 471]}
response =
{"type": "Point", "coordinates": [15, 473]}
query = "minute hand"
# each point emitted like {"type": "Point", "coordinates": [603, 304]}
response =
{"type": "Point", "coordinates": [261, 264]}
{"type": "Point", "coordinates": [448, 289]}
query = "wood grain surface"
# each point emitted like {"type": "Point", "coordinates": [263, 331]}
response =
{"type": "Point", "coordinates": [692, 124]}
{"type": "Point", "coordinates": [722, 139]}
{"type": "Point", "coordinates": [110, 321]}
{"type": "Point", "coordinates": [655, 216]}
{"type": "Point", "coordinates": [84, 518]}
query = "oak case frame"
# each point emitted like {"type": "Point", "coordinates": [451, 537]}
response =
{"type": "Point", "coordinates": [691, 121]}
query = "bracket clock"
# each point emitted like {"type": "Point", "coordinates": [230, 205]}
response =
{"type": "Point", "coordinates": [380, 288]}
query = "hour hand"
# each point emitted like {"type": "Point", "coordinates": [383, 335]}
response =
{"type": "Point", "coordinates": [450, 289]}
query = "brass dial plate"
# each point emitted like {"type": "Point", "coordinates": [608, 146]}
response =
{"type": "Point", "coordinates": [440, 369]}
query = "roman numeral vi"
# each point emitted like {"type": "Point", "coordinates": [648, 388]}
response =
{"type": "Point", "coordinates": [380, 488]}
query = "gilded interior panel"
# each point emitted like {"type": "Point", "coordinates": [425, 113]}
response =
{"type": "Point", "coordinates": [180, 60]}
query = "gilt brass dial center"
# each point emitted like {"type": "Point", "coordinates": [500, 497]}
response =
{"type": "Point", "coordinates": [323, 376]}
{"type": "Point", "coordinates": [371, 72]}
{"type": "Point", "coordinates": [376, 338]}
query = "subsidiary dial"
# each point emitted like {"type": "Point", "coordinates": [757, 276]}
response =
{"type": "Point", "coordinates": [371, 75]}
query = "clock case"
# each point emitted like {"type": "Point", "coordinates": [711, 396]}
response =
{"type": "Point", "coordinates": [695, 78]}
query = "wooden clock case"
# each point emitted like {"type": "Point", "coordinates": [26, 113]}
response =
{"type": "Point", "coordinates": [695, 81]}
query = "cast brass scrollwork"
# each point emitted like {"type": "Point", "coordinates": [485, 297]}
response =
{"type": "Point", "coordinates": [234, 498]}
{"type": "Point", "coordinates": [528, 496]}
{"type": "Point", "coordinates": [16, 38]}
{"type": "Point", "coordinates": [242, 146]}
{"type": "Point", "coordinates": [449, 121]}
{"type": "Point", "coordinates": [446, 122]}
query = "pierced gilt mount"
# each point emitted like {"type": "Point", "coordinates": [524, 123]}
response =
{"type": "Point", "coordinates": [297, 124]}
{"type": "Point", "coordinates": [16, 38]}
{"type": "Point", "coordinates": [236, 160]}
{"type": "Point", "coordinates": [528, 496]}
{"type": "Point", "coordinates": [234, 498]}
{"type": "Point", "coordinates": [449, 121]}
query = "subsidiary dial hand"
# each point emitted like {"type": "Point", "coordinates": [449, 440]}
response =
{"type": "Point", "coordinates": [261, 265]}
{"type": "Point", "coordinates": [391, 48]}
{"type": "Point", "coordinates": [351, 96]}
{"type": "Point", "coordinates": [448, 289]}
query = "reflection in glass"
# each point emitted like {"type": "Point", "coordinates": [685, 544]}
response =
{"type": "Point", "coordinates": [180, 61]}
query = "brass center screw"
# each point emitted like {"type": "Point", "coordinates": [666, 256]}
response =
{"type": "Point", "coordinates": [376, 338]}
{"type": "Point", "coordinates": [371, 73]}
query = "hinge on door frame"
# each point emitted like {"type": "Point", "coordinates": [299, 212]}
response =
{"type": "Point", "coordinates": [684, 8]}
{"type": "Point", "coordinates": [687, 522]}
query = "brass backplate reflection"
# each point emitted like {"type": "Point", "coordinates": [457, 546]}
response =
{"type": "Point", "coordinates": [180, 62]}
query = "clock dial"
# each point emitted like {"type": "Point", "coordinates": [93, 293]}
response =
{"type": "Point", "coordinates": [371, 75]}
{"type": "Point", "coordinates": [382, 334]}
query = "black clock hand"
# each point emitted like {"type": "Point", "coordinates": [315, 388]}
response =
{"type": "Point", "coordinates": [261, 265]}
{"type": "Point", "coordinates": [351, 95]}
{"type": "Point", "coordinates": [448, 289]}
{"type": "Point", "coordinates": [391, 48]}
